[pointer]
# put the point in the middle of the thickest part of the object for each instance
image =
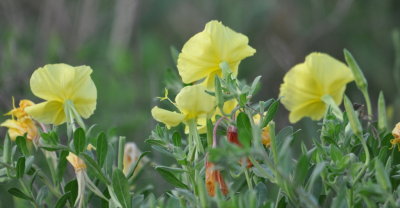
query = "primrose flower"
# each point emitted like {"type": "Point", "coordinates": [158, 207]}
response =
{"type": "Point", "coordinates": [214, 176]}
{"type": "Point", "coordinates": [202, 54]}
{"type": "Point", "coordinates": [306, 83]}
{"type": "Point", "coordinates": [192, 102]}
{"type": "Point", "coordinates": [396, 135]}
{"type": "Point", "coordinates": [57, 84]}
{"type": "Point", "coordinates": [131, 156]}
{"type": "Point", "coordinates": [21, 123]}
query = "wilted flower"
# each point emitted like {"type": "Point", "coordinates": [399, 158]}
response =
{"type": "Point", "coordinates": [21, 123]}
{"type": "Point", "coordinates": [20, 112]}
{"type": "Point", "coordinates": [131, 156]}
{"type": "Point", "coordinates": [57, 84]}
{"type": "Point", "coordinates": [214, 176]}
{"type": "Point", "coordinates": [396, 135]}
{"type": "Point", "coordinates": [202, 54]}
{"type": "Point", "coordinates": [82, 179]}
{"type": "Point", "coordinates": [76, 162]}
{"type": "Point", "coordinates": [265, 132]}
{"type": "Point", "coordinates": [232, 136]}
{"type": "Point", "coordinates": [306, 83]}
{"type": "Point", "coordinates": [192, 102]}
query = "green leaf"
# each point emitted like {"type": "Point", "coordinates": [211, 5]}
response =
{"type": "Point", "coordinates": [21, 143]}
{"type": "Point", "coordinates": [18, 193]}
{"type": "Point", "coordinates": [63, 200]}
{"type": "Point", "coordinates": [92, 165]}
{"type": "Point", "coordinates": [121, 188]}
{"type": "Point", "coordinates": [62, 164]}
{"type": "Point", "coordinates": [72, 188]}
{"type": "Point", "coordinates": [54, 148]}
{"type": "Point", "coordinates": [101, 149]}
{"type": "Point", "coordinates": [176, 139]}
{"type": "Point", "coordinates": [218, 93]}
{"type": "Point", "coordinates": [20, 167]}
{"type": "Point", "coordinates": [382, 120]}
{"type": "Point", "coordinates": [244, 129]}
{"type": "Point", "coordinates": [353, 119]}
{"type": "Point", "coordinates": [382, 177]}
{"type": "Point", "coordinates": [50, 138]}
{"type": "Point", "coordinates": [273, 108]}
{"type": "Point", "coordinates": [133, 168]}
{"type": "Point", "coordinates": [171, 178]}
{"type": "Point", "coordinates": [242, 100]}
{"type": "Point", "coordinates": [301, 170]}
{"type": "Point", "coordinates": [79, 140]}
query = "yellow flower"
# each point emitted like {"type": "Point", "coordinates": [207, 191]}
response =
{"type": "Point", "coordinates": [306, 83]}
{"type": "Point", "coordinates": [20, 128]}
{"type": "Point", "coordinates": [21, 123]}
{"type": "Point", "coordinates": [192, 102]}
{"type": "Point", "coordinates": [202, 54]}
{"type": "Point", "coordinates": [20, 111]}
{"type": "Point", "coordinates": [76, 162]}
{"type": "Point", "coordinates": [58, 83]}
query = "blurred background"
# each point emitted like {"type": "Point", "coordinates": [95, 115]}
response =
{"type": "Point", "coordinates": [127, 43]}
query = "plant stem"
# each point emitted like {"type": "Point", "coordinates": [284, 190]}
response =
{"type": "Point", "coordinates": [195, 135]}
{"type": "Point", "coordinates": [367, 160]}
{"type": "Point", "coordinates": [368, 102]}
{"type": "Point", "coordinates": [248, 179]}
{"type": "Point", "coordinates": [121, 148]}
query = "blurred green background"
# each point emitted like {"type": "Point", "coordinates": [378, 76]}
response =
{"type": "Point", "coordinates": [127, 43]}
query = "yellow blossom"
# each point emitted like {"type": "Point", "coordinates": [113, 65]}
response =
{"type": "Point", "coordinates": [76, 162]}
{"type": "Point", "coordinates": [306, 83]}
{"type": "Point", "coordinates": [202, 54]}
{"type": "Point", "coordinates": [192, 102]}
{"type": "Point", "coordinates": [20, 111]}
{"type": "Point", "coordinates": [20, 128]}
{"type": "Point", "coordinates": [58, 83]}
{"type": "Point", "coordinates": [21, 123]}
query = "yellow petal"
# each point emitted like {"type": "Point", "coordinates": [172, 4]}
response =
{"type": "Point", "coordinates": [231, 46]}
{"type": "Point", "coordinates": [331, 73]}
{"type": "Point", "coordinates": [169, 118]}
{"type": "Point", "coordinates": [204, 52]}
{"type": "Point", "coordinates": [51, 81]}
{"type": "Point", "coordinates": [50, 112]}
{"type": "Point", "coordinates": [76, 162]}
{"type": "Point", "coordinates": [193, 101]}
{"type": "Point", "coordinates": [305, 84]}
{"type": "Point", "coordinates": [84, 94]}
{"type": "Point", "coordinates": [197, 59]}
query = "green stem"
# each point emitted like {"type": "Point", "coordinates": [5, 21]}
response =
{"type": "Point", "coordinates": [29, 192]}
{"type": "Point", "coordinates": [195, 135]}
{"type": "Point", "coordinates": [278, 198]}
{"type": "Point", "coordinates": [121, 148]}
{"type": "Point", "coordinates": [274, 146]}
{"type": "Point", "coordinates": [367, 160]}
{"type": "Point", "coordinates": [248, 180]}
{"type": "Point", "coordinates": [368, 102]}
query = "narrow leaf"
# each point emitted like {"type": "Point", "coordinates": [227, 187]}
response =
{"type": "Point", "coordinates": [244, 129]}
{"type": "Point", "coordinates": [121, 188]}
{"type": "Point", "coordinates": [21, 143]}
{"type": "Point", "coordinates": [170, 177]}
{"type": "Point", "coordinates": [102, 148]}
{"type": "Point", "coordinates": [20, 167]}
{"type": "Point", "coordinates": [18, 193]}
{"type": "Point", "coordinates": [79, 140]}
